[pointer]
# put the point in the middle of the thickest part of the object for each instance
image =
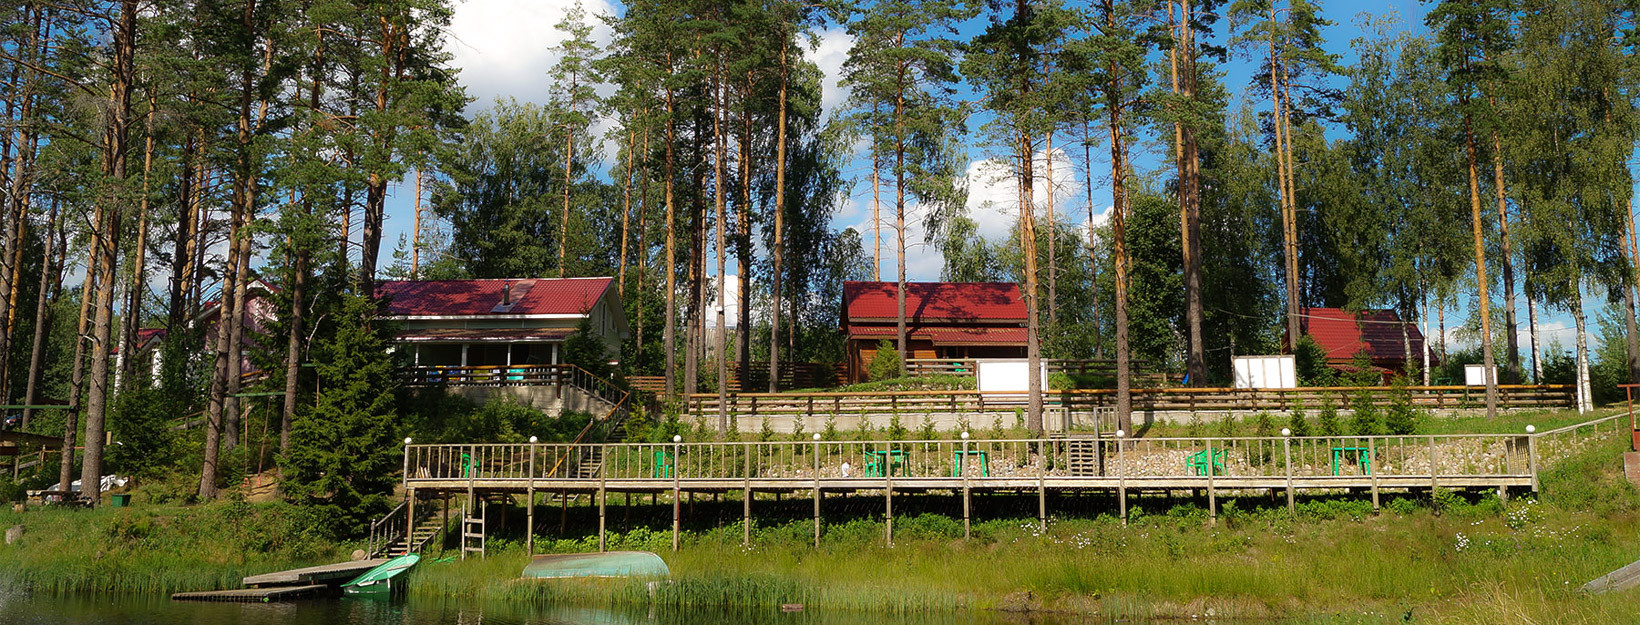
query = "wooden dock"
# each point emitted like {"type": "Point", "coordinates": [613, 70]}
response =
{"type": "Point", "coordinates": [302, 583]}
{"type": "Point", "coordinates": [1214, 466]}
{"type": "Point", "coordinates": [322, 574]}
{"type": "Point", "coordinates": [256, 595]}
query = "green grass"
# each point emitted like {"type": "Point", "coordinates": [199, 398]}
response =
{"type": "Point", "coordinates": [157, 549]}
{"type": "Point", "coordinates": [1471, 559]}
{"type": "Point", "coordinates": [1465, 559]}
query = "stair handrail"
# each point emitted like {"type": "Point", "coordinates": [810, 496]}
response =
{"type": "Point", "coordinates": [620, 407]}
{"type": "Point", "coordinates": [389, 528]}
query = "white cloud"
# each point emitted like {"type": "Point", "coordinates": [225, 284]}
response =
{"type": "Point", "coordinates": [829, 52]}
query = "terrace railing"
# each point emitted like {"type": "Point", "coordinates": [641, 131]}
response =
{"type": "Point", "coordinates": [1246, 462]}
{"type": "Point", "coordinates": [515, 375]}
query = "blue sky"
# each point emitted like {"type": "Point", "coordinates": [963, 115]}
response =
{"type": "Point", "coordinates": [504, 48]}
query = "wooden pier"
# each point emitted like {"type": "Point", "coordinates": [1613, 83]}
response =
{"type": "Point", "coordinates": [1123, 467]}
{"type": "Point", "coordinates": [302, 583]}
{"type": "Point", "coordinates": [256, 595]}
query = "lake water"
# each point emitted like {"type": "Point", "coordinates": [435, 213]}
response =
{"type": "Point", "coordinates": [36, 610]}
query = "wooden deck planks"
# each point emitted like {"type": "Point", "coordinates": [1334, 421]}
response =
{"type": "Point", "coordinates": [340, 571]}
{"type": "Point", "coordinates": [255, 595]}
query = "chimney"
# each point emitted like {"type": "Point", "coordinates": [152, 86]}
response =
{"type": "Point", "coordinates": [506, 294]}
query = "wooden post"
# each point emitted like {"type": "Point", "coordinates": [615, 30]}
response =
{"type": "Point", "coordinates": [746, 503]}
{"type": "Point", "coordinates": [1532, 459]}
{"type": "Point", "coordinates": [1433, 467]}
{"type": "Point", "coordinates": [677, 510]}
{"type": "Point", "coordinates": [967, 493]}
{"type": "Point", "coordinates": [1372, 455]}
{"type": "Point", "coordinates": [409, 519]}
{"type": "Point", "coordinates": [529, 512]}
{"type": "Point", "coordinates": [888, 502]}
{"type": "Point", "coordinates": [1212, 494]}
{"type": "Point", "coordinates": [1041, 485]}
{"type": "Point", "coordinates": [1121, 479]}
{"type": "Point", "coordinates": [603, 502]}
{"type": "Point", "coordinates": [1287, 455]}
{"type": "Point", "coordinates": [816, 493]}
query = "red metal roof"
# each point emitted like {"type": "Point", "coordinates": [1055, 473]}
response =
{"type": "Point", "coordinates": [477, 298]}
{"type": "Point", "coordinates": [1342, 334]}
{"type": "Point", "coordinates": [945, 336]}
{"type": "Point", "coordinates": [464, 335]}
{"type": "Point", "coordinates": [935, 302]}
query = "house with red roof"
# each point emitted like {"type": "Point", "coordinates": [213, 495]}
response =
{"type": "Point", "coordinates": [499, 322]}
{"type": "Point", "coordinates": [1342, 334]}
{"type": "Point", "coordinates": [943, 320]}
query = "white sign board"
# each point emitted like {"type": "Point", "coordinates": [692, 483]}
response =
{"type": "Point", "coordinates": [1007, 375]}
{"type": "Point", "coordinates": [1475, 375]}
{"type": "Point", "coordinates": [1265, 371]}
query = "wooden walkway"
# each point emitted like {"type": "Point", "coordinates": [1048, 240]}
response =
{"type": "Point", "coordinates": [322, 574]}
{"type": "Point", "coordinates": [1215, 466]}
{"type": "Point", "coordinates": [256, 595]}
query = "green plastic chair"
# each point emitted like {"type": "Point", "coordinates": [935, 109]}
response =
{"type": "Point", "coordinates": [1205, 462]}
{"type": "Point", "coordinates": [664, 464]}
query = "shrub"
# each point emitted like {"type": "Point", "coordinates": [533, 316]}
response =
{"type": "Point", "coordinates": [1327, 421]}
{"type": "Point", "coordinates": [1401, 417]}
{"type": "Point", "coordinates": [1367, 420]}
{"type": "Point", "coordinates": [885, 365]}
{"type": "Point", "coordinates": [1299, 423]}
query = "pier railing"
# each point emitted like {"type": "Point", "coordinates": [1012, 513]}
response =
{"type": "Point", "coordinates": [1347, 461]}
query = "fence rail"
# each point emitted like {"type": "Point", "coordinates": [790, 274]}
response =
{"type": "Point", "coordinates": [514, 375]}
{"type": "Point", "coordinates": [1320, 461]}
{"type": "Point", "coordinates": [1144, 399]}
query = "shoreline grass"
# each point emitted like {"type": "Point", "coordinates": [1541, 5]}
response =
{"type": "Point", "coordinates": [1447, 558]}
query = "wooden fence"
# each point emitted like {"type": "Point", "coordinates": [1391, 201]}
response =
{"type": "Point", "coordinates": [1144, 399]}
{"type": "Point", "coordinates": [515, 375]}
{"type": "Point", "coordinates": [793, 375]}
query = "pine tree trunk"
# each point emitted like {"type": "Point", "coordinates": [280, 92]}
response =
{"type": "Point", "coordinates": [293, 346]}
{"type": "Point", "coordinates": [107, 246]}
{"type": "Point", "coordinates": [1033, 326]}
{"type": "Point", "coordinates": [626, 207]}
{"type": "Point", "coordinates": [743, 245]}
{"type": "Point", "coordinates": [569, 163]}
{"type": "Point", "coordinates": [1630, 295]}
{"type": "Point", "coordinates": [183, 243]}
{"type": "Point", "coordinates": [1288, 266]}
{"type": "Point", "coordinates": [777, 277]}
{"type": "Point", "coordinates": [1183, 67]}
{"type": "Point", "coordinates": [671, 268]}
{"type": "Point", "coordinates": [1483, 294]}
{"type": "Point", "coordinates": [1512, 357]}
{"type": "Point", "coordinates": [900, 330]}
{"type": "Point", "coordinates": [50, 280]}
{"type": "Point", "coordinates": [216, 397]}
{"type": "Point", "coordinates": [1053, 237]}
{"type": "Point", "coordinates": [1118, 220]}
{"type": "Point", "coordinates": [876, 216]}
{"type": "Point", "coordinates": [139, 275]}
{"type": "Point", "coordinates": [1093, 254]}
{"type": "Point", "coordinates": [76, 384]}
{"type": "Point", "coordinates": [720, 182]}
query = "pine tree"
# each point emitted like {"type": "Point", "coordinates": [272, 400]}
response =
{"type": "Point", "coordinates": [344, 452]}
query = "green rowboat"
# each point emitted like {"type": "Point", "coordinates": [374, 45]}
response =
{"type": "Point", "coordinates": [378, 582]}
{"type": "Point", "coordinates": [606, 564]}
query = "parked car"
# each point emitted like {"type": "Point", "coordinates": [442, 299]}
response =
{"type": "Point", "coordinates": [12, 421]}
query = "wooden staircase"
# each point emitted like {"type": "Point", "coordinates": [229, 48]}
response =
{"type": "Point", "coordinates": [1082, 455]}
{"type": "Point", "coordinates": [424, 532]}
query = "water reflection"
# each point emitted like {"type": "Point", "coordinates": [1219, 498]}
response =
{"type": "Point", "coordinates": [27, 610]}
